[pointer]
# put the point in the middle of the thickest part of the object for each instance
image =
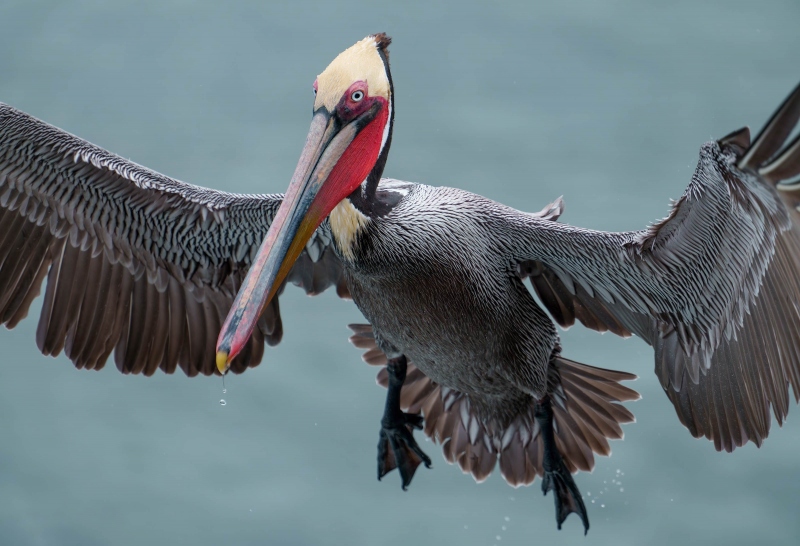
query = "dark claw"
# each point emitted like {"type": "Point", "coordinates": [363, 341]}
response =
{"type": "Point", "coordinates": [398, 449]}
{"type": "Point", "coordinates": [414, 420]}
{"type": "Point", "coordinates": [566, 495]}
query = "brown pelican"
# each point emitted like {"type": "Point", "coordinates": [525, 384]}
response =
{"type": "Point", "coordinates": [147, 267]}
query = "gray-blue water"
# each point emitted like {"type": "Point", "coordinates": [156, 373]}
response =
{"type": "Point", "coordinates": [603, 102]}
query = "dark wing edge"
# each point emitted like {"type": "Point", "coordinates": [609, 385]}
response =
{"type": "Point", "coordinates": [587, 414]}
{"type": "Point", "coordinates": [137, 263]}
{"type": "Point", "coordinates": [713, 287]}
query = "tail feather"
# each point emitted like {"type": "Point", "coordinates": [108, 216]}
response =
{"type": "Point", "coordinates": [477, 460]}
{"type": "Point", "coordinates": [586, 410]}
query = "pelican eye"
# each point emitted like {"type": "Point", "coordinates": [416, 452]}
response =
{"type": "Point", "coordinates": [357, 96]}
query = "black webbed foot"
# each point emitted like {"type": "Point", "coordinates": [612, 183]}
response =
{"type": "Point", "coordinates": [565, 494]}
{"type": "Point", "coordinates": [396, 446]}
{"type": "Point", "coordinates": [557, 477]}
{"type": "Point", "coordinates": [398, 449]}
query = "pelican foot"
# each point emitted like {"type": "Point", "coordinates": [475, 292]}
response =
{"type": "Point", "coordinates": [557, 477]}
{"type": "Point", "coordinates": [397, 447]}
{"type": "Point", "coordinates": [567, 497]}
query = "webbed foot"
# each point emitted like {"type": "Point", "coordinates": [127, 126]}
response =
{"type": "Point", "coordinates": [565, 494]}
{"type": "Point", "coordinates": [557, 477]}
{"type": "Point", "coordinates": [398, 449]}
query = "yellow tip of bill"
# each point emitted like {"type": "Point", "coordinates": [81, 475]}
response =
{"type": "Point", "coordinates": [222, 362]}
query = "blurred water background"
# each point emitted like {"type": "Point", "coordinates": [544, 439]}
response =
{"type": "Point", "coordinates": [606, 103]}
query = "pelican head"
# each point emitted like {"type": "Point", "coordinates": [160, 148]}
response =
{"type": "Point", "coordinates": [346, 144]}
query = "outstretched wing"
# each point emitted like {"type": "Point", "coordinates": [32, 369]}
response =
{"type": "Point", "coordinates": [136, 263]}
{"type": "Point", "coordinates": [713, 287]}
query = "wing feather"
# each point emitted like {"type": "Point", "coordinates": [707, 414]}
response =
{"type": "Point", "coordinates": [713, 286]}
{"type": "Point", "coordinates": [137, 263]}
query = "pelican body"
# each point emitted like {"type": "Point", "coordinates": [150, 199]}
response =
{"type": "Point", "coordinates": [152, 269]}
{"type": "Point", "coordinates": [503, 335]}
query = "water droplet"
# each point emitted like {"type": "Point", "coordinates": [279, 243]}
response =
{"type": "Point", "coordinates": [589, 493]}
{"type": "Point", "coordinates": [511, 498]}
{"type": "Point", "coordinates": [465, 527]}
{"type": "Point", "coordinates": [618, 471]}
{"type": "Point", "coordinates": [503, 528]}
{"type": "Point", "coordinates": [222, 402]}
{"type": "Point", "coordinates": [670, 500]}
{"type": "Point", "coordinates": [602, 506]}
{"type": "Point", "coordinates": [621, 489]}
{"type": "Point", "coordinates": [507, 518]}
{"type": "Point", "coordinates": [592, 501]}
{"type": "Point", "coordinates": [224, 391]}
{"type": "Point", "coordinates": [498, 538]}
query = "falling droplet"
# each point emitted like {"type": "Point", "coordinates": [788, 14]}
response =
{"type": "Point", "coordinates": [498, 538]}
{"type": "Point", "coordinates": [503, 528]}
{"type": "Point", "coordinates": [222, 402]}
{"type": "Point", "coordinates": [224, 391]}
{"type": "Point", "coordinates": [507, 518]}
{"type": "Point", "coordinates": [602, 506]}
{"type": "Point", "coordinates": [592, 501]}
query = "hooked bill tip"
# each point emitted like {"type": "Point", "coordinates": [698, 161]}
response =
{"type": "Point", "coordinates": [222, 362]}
